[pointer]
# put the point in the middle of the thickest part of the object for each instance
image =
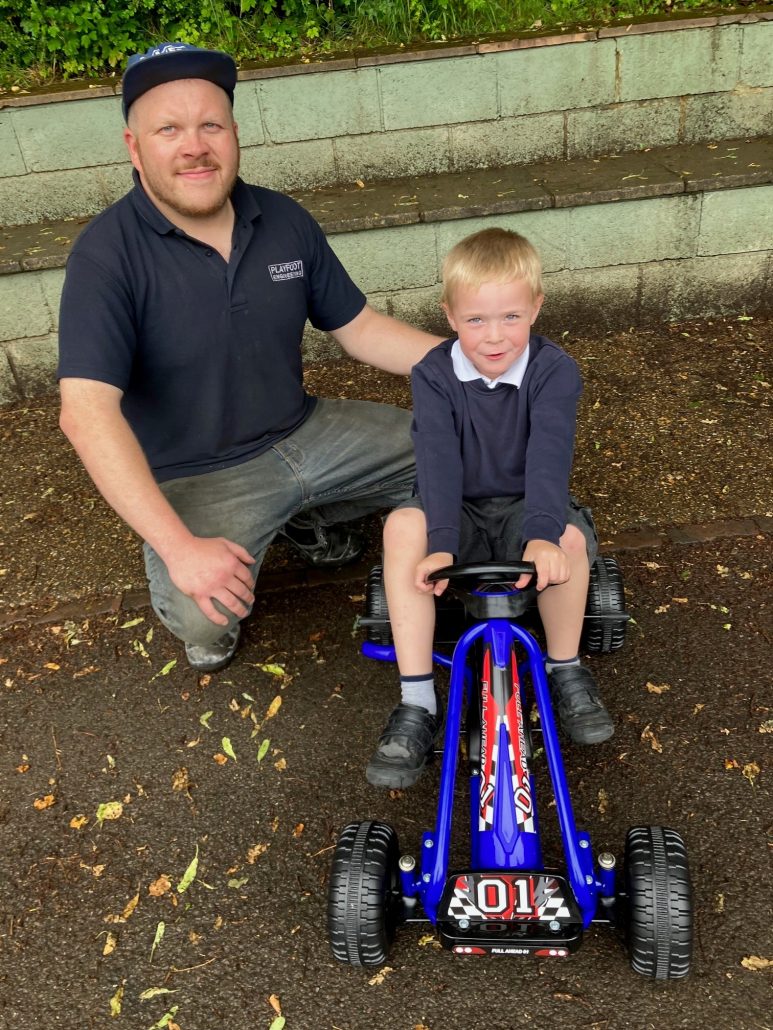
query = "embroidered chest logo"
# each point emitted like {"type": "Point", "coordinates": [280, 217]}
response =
{"type": "Point", "coordinates": [286, 270]}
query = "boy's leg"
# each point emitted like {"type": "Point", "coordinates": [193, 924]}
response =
{"type": "Point", "coordinates": [562, 606]}
{"type": "Point", "coordinates": [573, 689]}
{"type": "Point", "coordinates": [410, 732]}
{"type": "Point", "coordinates": [411, 613]}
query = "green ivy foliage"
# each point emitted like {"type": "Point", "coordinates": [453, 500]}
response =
{"type": "Point", "coordinates": [42, 40]}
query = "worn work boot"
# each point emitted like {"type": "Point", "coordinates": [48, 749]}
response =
{"type": "Point", "coordinates": [580, 710]}
{"type": "Point", "coordinates": [213, 657]}
{"type": "Point", "coordinates": [323, 546]}
{"type": "Point", "coordinates": [404, 747]}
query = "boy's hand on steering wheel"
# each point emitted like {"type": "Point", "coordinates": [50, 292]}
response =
{"type": "Point", "coordinates": [431, 563]}
{"type": "Point", "coordinates": [551, 564]}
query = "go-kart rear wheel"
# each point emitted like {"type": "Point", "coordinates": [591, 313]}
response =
{"type": "Point", "coordinates": [364, 900]}
{"type": "Point", "coordinates": [659, 929]}
{"type": "Point", "coordinates": [376, 608]}
{"type": "Point", "coordinates": [603, 631]}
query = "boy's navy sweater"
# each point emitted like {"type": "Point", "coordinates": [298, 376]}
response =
{"type": "Point", "coordinates": [472, 441]}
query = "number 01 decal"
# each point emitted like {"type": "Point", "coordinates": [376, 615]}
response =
{"type": "Point", "coordinates": [505, 897]}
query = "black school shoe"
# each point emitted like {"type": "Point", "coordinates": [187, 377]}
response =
{"type": "Point", "coordinates": [404, 747]}
{"type": "Point", "coordinates": [323, 546]}
{"type": "Point", "coordinates": [580, 710]}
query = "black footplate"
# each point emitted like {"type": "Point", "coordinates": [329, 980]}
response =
{"type": "Point", "coordinates": [509, 913]}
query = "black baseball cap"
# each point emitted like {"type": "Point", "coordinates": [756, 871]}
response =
{"type": "Point", "coordinates": [169, 61]}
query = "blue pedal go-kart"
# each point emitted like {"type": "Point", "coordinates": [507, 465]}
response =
{"type": "Point", "coordinates": [505, 900]}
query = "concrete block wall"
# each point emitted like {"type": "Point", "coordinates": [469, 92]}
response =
{"type": "Point", "coordinates": [682, 256]}
{"type": "Point", "coordinates": [377, 116]}
{"type": "Point", "coordinates": [692, 252]}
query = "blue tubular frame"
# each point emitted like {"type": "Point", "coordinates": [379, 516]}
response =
{"type": "Point", "coordinates": [500, 634]}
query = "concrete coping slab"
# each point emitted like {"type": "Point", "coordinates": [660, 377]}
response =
{"type": "Point", "coordinates": [447, 196]}
{"type": "Point", "coordinates": [80, 89]}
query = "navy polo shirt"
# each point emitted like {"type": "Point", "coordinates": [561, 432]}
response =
{"type": "Point", "coordinates": [207, 354]}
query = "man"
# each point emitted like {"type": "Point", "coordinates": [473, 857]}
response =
{"type": "Point", "coordinates": [180, 361]}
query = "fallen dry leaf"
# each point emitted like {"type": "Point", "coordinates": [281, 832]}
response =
{"type": "Point", "coordinates": [603, 801]}
{"type": "Point", "coordinates": [78, 822]}
{"type": "Point", "coordinates": [23, 768]}
{"type": "Point", "coordinates": [658, 688]}
{"type": "Point", "coordinates": [298, 830]}
{"type": "Point", "coordinates": [275, 1004]}
{"type": "Point", "coordinates": [45, 802]}
{"type": "Point", "coordinates": [756, 963]}
{"type": "Point", "coordinates": [130, 907]}
{"type": "Point", "coordinates": [180, 779]}
{"type": "Point", "coordinates": [382, 974]}
{"type": "Point", "coordinates": [109, 810]}
{"type": "Point", "coordinates": [281, 765]}
{"type": "Point", "coordinates": [256, 851]}
{"type": "Point", "coordinates": [654, 743]}
{"type": "Point", "coordinates": [110, 944]}
{"type": "Point", "coordinates": [220, 759]}
{"type": "Point", "coordinates": [750, 772]}
{"type": "Point", "coordinates": [160, 886]}
{"type": "Point", "coordinates": [273, 708]}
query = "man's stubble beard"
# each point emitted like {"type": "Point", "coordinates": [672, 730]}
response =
{"type": "Point", "coordinates": [155, 185]}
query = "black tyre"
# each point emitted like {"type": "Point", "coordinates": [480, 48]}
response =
{"type": "Point", "coordinates": [376, 608]}
{"type": "Point", "coordinates": [605, 616]}
{"type": "Point", "coordinates": [659, 928]}
{"type": "Point", "coordinates": [364, 900]}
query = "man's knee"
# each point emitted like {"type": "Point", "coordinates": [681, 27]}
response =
{"type": "Point", "coordinates": [185, 620]}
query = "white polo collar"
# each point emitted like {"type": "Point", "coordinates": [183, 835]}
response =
{"type": "Point", "coordinates": [465, 371]}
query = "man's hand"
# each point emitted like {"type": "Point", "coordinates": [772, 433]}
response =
{"type": "Point", "coordinates": [214, 569]}
{"type": "Point", "coordinates": [437, 560]}
{"type": "Point", "coordinates": [550, 561]}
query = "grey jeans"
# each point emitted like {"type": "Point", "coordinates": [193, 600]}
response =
{"type": "Point", "coordinates": [349, 458]}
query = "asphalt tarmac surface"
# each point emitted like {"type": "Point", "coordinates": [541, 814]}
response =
{"type": "Point", "coordinates": [166, 839]}
{"type": "Point", "coordinates": [105, 710]}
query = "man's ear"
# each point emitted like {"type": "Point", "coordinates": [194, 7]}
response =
{"type": "Point", "coordinates": [131, 145]}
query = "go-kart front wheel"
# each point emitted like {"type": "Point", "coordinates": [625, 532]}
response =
{"type": "Point", "coordinates": [659, 929]}
{"type": "Point", "coordinates": [364, 900]}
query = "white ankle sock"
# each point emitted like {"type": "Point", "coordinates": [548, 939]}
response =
{"type": "Point", "coordinates": [419, 690]}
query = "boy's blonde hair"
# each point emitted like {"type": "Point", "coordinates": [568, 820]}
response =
{"type": "Point", "coordinates": [491, 255]}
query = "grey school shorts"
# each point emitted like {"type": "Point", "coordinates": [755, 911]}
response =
{"type": "Point", "coordinates": [491, 528]}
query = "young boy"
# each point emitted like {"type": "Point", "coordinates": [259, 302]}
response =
{"type": "Point", "coordinates": [493, 429]}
